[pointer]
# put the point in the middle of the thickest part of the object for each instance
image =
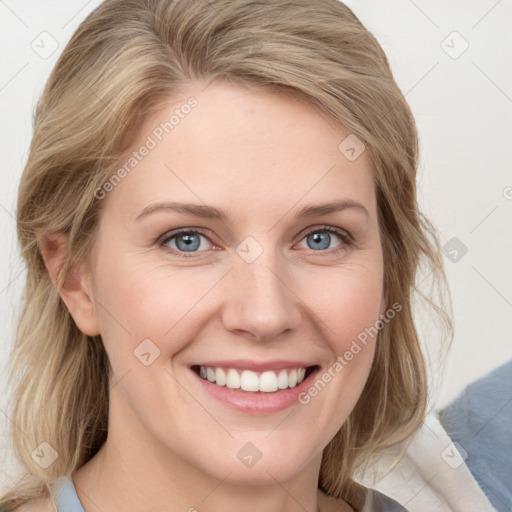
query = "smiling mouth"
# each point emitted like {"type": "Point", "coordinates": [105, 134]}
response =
{"type": "Point", "coordinates": [248, 380]}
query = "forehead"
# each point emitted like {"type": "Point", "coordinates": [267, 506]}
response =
{"type": "Point", "coordinates": [244, 150]}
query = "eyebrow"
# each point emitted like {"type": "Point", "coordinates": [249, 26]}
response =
{"type": "Point", "coordinates": [209, 212]}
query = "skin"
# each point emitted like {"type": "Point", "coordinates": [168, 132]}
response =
{"type": "Point", "coordinates": [261, 157]}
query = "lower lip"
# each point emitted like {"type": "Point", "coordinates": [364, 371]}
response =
{"type": "Point", "coordinates": [256, 402]}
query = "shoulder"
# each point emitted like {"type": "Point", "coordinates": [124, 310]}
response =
{"type": "Point", "coordinates": [478, 420]}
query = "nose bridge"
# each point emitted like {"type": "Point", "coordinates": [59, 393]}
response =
{"type": "Point", "coordinates": [259, 298]}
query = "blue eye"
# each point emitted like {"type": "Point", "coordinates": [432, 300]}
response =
{"type": "Point", "coordinates": [320, 239]}
{"type": "Point", "coordinates": [190, 241]}
{"type": "Point", "coordinates": [186, 241]}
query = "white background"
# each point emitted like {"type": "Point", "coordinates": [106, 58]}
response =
{"type": "Point", "coordinates": [463, 107]}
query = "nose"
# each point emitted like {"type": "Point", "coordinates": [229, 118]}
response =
{"type": "Point", "coordinates": [260, 301]}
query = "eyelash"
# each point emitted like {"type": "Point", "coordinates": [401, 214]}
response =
{"type": "Point", "coordinates": [346, 239]}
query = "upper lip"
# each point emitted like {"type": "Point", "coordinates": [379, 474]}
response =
{"type": "Point", "coordinates": [256, 366]}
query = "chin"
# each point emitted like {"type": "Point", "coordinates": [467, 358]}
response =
{"type": "Point", "coordinates": [260, 461]}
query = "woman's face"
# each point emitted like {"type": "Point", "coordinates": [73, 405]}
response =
{"type": "Point", "coordinates": [254, 286]}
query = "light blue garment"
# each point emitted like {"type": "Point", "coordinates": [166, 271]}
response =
{"type": "Point", "coordinates": [480, 421]}
{"type": "Point", "coordinates": [66, 499]}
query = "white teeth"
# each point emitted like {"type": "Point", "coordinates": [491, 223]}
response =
{"type": "Point", "coordinates": [282, 380]}
{"type": "Point", "coordinates": [268, 382]}
{"type": "Point", "coordinates": [220, 377]}
{"type": "Point", "coordinates": [247, 380]}
{"type": "Point", "coordinates": [210, 374]}
{"type": "Point", "coordinates": [233, 379]}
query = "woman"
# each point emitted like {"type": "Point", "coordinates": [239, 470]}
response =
{"type": "Point", "coordinates": [219, 220]}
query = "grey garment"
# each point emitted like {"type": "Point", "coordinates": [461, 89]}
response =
{"type": "Point", "coordinates": [66, 499]}
{"type": "Point", "coordinates": [378, 502]}
{"type": "Point", "coordinates": [480, 422]}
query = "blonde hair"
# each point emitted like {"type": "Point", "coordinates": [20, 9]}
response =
{"type": "Point", "coordinates": [124, 60]}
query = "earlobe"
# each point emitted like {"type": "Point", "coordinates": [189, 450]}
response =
{"type": "Point", "coordinates": [75, 287]}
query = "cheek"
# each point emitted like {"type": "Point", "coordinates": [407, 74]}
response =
{"type": "Point", "coordinates": [347, 300]}
{"type": "Point", "coordinates": [347, 304]}
{"type": "Point", "coordinates": [348, 308]}
{"type": "Point", "coordinates": [141, 301]}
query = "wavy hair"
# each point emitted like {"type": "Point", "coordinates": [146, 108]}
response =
{"type": "Point", "coordinates": [125, 60]}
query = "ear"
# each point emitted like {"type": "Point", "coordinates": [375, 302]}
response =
{"type": "Point", "coordinates": [75, 287]}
